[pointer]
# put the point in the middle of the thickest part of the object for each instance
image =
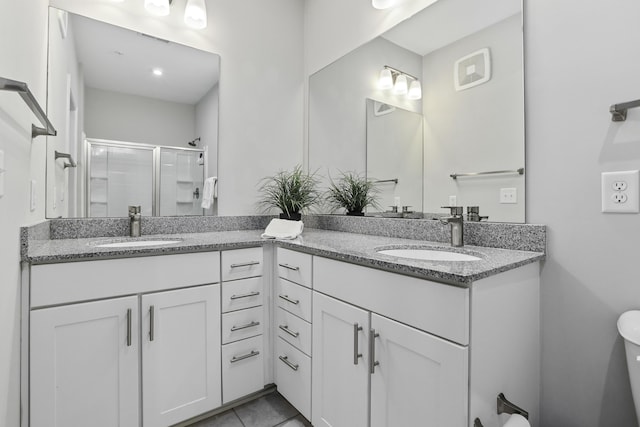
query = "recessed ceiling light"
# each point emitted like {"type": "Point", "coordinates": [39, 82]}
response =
{"type": "Point", "coordinates": [157, 72]}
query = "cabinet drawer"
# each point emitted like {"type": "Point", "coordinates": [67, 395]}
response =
{"type": "Point", "coordinates": [53, 284]}
{"type": "Point", "coordinates": [242, 263]}
{"type": "Point", "coordinates": [242, 368]}
{"type": "Point", "coordinates": [294, 298]}
{"type": "Point", "coordinates": [241, 324]}
{"type": "Point", "coordinates": [294, 266]}
{"type": "Point", "coordinates": [440, 309]}
{"type": "Point", "coordinates": [294, 330]}
{"type": "Point", "coordinates": [293, 376]}
{"type": "Point", "coordinates": [244, 293]}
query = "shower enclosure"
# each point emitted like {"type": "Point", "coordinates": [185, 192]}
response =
{"type": "Point", "coordinates": [164, 181]}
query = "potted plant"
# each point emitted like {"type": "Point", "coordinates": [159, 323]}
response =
{"type": "Point", "coordinates": [352, 192]}
{"type": "Point", "coordinates": [290, 191]}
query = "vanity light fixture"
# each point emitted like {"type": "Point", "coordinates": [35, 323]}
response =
{"type": "Point", "coordinates": [391, 78]}
{"type": "Point", "coordinates": [195, 12]}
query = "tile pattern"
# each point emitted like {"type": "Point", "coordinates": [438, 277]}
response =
{"type": "Point", "coordinates": [271, 410]}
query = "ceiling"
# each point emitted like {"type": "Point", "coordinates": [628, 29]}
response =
{"type": "Point", "coordinates": [121, 60]}
{"type": "Point", "coordinates": [431, 28]}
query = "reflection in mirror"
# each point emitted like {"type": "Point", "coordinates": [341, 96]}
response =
{"type": "Point", "coordinates": [476, 128]}
{"type": "Point", "coordinates": [394, 155]}
{"type": "Point", "coordinates": [130, 103]}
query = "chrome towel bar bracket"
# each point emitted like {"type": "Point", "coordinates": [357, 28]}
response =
{"type": "Point", "coordinates": [22, 89]}
{"type": "Point", "coordinates": [70, 163]}
{"type": "Point", "coordinates": [619, 111]}
{"type": "Point", "coordinates": [506, 407]}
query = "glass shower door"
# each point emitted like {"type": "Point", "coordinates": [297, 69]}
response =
{"type": "Point", "coordinates": [181, 181]}
{"type": "Point", "coordinates": [119, 176]}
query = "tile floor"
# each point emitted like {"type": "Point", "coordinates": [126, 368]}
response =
{"type": "Point", "coordinates": [271, 410]}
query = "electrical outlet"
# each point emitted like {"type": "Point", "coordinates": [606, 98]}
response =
{"type": "Point", "coordinates": [621, 192]}
{"type": "Point", "coordinates": [508, 196]}
{"type": "Point", "coordinates": [619, 185]}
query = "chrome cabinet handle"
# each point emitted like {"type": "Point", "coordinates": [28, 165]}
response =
{"type": "Point", "coordinates": [250, 294]}
{"type": "Point", "coordinates": [289, 267]}
{"type": "Point", "coordinates": [285, 359]}
{"type": "Point", "coordinates": [287, 299]}
{"type": "Point", "coordinates": [248, 325]}
{"type": "Point", "coordinates": [245, 264]}
{"type": "Point", "coordinates": [356, 355]}
{"type": "Point", "coordinates": [372, 351]}
{"type": "Point", "coordinates": [152, 318]}
{"type": "Point", "coordinates": [290, 332]}
{"type": "Point", "coordinates": [129, 327]}
{"type": "Point", "coordinates": [253, 353]}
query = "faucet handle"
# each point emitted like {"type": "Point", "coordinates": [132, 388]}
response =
{"type": "Point", "coordinates": [473, 209]}
{"type": "Point", "coordinates": [134, 210]}
{"type": "Point", "coordinates": [455, 210]}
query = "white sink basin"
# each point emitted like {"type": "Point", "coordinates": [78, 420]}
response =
{"type": "Point", "coordinates": [428, 254]}
{"type": "Point", "coordinates": [135, 243]}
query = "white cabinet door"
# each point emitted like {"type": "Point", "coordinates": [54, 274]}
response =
{"type": "Point", "coordinates": [420, 380]}
{"type": "Point", "coordinates": [180, 354]}
{"type": "Point", "coordinates": [84, 365]}
{"type": "Point", "coordinates": [340, 376]}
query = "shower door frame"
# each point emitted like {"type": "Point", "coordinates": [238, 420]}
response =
{"type": "Point", "coordinates": [155, 165]}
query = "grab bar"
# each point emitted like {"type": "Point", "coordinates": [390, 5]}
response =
{"type": "Point", "coordinates": [619, 111]}
{"type": "Point", "coordinates": [519, 171]}
{"type": "Point", "coordinates": [70, 164]}
{"type": "Point", "coordinates": [23, 90]}
{"type": "Point", "coordinates": [380, 181]}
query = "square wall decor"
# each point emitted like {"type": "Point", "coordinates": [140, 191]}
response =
{"type": "Point", "coordinates": [472, 70]}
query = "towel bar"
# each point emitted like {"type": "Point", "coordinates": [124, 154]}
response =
{"type": "Point", "coordinates": [22, 89]}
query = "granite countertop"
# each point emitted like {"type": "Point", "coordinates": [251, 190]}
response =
{"type": "Point", "coordinates": [343, 246]}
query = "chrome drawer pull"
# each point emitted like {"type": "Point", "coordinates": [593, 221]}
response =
{"type": "Point", "coordinates": [372, 351]}
{"type": "Point", "coordinates": [356, 355]}
{"type": "Point", "coordinates": [152, 320]}
{"type": "Point", "coordinates": [285, 359]}
{"type": "Point", "coordinates": [244, 356]}
{"type": "Point", "coordinates": [287, 330]}
{"type": "Point", "coordinates": [287, 299]}
{"type": "Point", "coordinates": [128, 327]}
{"type": "Point", "coordinates": [245, 264]}
{"type": "Point", "coordinates": [248, 325]}
{"type": "Point", "coordinates": [250, 294]}
{"type": "Point", "coordinates": [289, 267]}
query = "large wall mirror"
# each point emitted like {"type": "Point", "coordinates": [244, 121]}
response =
{"type": "Point", "coordinates": [469, 151]}
{"type": "Point", "coordinates": [137, 120]}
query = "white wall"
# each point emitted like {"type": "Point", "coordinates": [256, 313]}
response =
{"type": "Point", "coordinates": [581, 57]}
{"type": "Point", "coordinates": [207, 130]}
{"type": "Point", "coordinates": [131, 118]}
{"type": "Point", "coordinates": [477, 129]}
{"type": "Point", "coordinates": [23, 49]}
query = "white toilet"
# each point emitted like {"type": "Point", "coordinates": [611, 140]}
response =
{"type": "Point", "coordinates": [629, 328]}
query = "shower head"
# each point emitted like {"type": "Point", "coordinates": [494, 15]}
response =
{"type": "Point", "coordinates": [194, 143]}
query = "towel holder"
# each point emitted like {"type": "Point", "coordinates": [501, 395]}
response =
{"type": "Point", "coordinates": [506, 407]}
{"type": "Point", "coordinates": [22, 89]}
{"type": "Point", "coordinates": [503, 406]}
{"type": "Point", "coordinates": [70, 163]}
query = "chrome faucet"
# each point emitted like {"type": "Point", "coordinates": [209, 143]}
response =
{"type": "Point", "coordinates": [457, 225]}
{"type": "Point", "coordinates": [134, 221]}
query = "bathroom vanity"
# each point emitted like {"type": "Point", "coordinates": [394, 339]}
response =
{"type": "Point", "coordinates": [159, 335]}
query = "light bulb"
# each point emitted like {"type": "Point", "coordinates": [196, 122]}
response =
{"type": "Point", "coordinates": [382, 4]}
{"type": "Point", "coordinates": [195, 14]}
{"type": "Point", "coordinates": [157, 7]}
{"type": "Point", "coordinates": [400, 88]}
{"type": "Point", "coordinates": [386, 79]}
{"type": "Point", "coordinates": [415, 90]}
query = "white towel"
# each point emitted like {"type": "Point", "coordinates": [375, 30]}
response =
{"type": "Point", "coordinates": [283, 229]}
{"type": "Point", "coordinates": [209, 192]}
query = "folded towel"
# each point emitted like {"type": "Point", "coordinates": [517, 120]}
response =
{"type": "Point", "coordinates": [209, 192]}
{"type": "Point", "coordinates": [283, 229]}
